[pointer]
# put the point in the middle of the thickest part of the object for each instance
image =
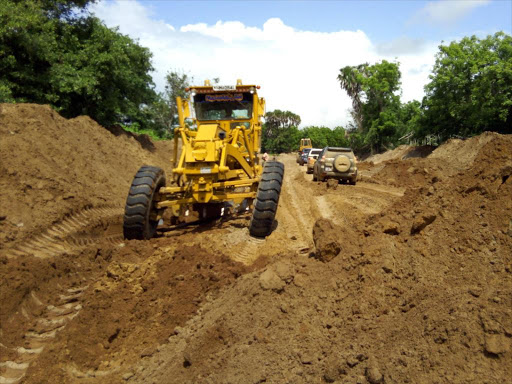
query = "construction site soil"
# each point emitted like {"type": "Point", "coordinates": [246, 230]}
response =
{"type": "Point", "coordinates": [405, 277]}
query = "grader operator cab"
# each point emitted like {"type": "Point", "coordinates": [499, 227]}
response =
{"type": "Point", "coordinates": [218, 170]}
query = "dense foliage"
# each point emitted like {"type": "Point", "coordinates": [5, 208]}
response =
{"type": "Point", "coordinates": [470, 89]}
{"type": "Point", "coordinates": [163, 111]}
{"type": "Point", "coordinates": [280, 132]}
{"type": "Point", "coordinates": [54, 52]}
{"type": "Point", "coordinates": [379, 116]}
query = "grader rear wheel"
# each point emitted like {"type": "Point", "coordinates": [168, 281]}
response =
{"type": "Point", "coordinates": [267, 198]}
{"type": "Point", "coordinates": [140, 213]}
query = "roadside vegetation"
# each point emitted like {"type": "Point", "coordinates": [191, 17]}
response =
{"type": "Point", "coordinates": [470, 91]}
{"type": "Point", "coordinates": [55, 52]}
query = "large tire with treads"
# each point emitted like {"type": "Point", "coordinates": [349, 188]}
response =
{"type": "Point", "coordinates": [140, 204]}
{"type": "Point", "coordinates": [267, 199]}
{"type": "Point", "coordinates": [342, 163]}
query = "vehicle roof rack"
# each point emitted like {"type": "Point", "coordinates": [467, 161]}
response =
{"type": "Point", "coordinates": [339, 149]}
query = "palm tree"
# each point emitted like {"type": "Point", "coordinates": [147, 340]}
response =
{"type": "Point", "coordinates": [350, 82]}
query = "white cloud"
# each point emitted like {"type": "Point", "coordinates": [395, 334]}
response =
{"type": "Point", "coordinates": [446, 12]}
{"type": "Point", "coordinates": [401, 45]}
{"type": "Point", "coordinates": [297, 70]}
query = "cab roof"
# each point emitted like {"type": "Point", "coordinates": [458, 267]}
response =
{"type": "Point", "coordinates": [224, 88]}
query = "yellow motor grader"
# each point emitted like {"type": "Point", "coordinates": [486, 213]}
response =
{"type": "Point", "coordinates": [218, 170]}
{"type": "Point", "coordinates": [304, 144]}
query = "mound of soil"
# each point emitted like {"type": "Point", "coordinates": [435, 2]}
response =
{"type": "Point", "coordinates": [401, 152]}
{"type": "Point", "coordinates": [461, 153]}
{"type": "Point", "coordinates": [396, 153]}
{"type": "Point", "coordinates": [142, 298]}
{"type": "Point", "coordinates": [423, 293]}
{"type": "Point", "coordinates": [51, 167]}
{"type": "Point", "coordinates": [451, 158]}
{"type": "Point", "coordinates": [407, 279]}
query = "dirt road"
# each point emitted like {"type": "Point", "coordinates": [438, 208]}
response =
{"type": "Point", "coordinates": [418, 290]}
{"type": "Point", "coordinates": [138, 293]}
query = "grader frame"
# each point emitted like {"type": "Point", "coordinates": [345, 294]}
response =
{"type": "Point", "coordinates": [206, 162]}
{"type": "Point", "coordinates": [218, 166]}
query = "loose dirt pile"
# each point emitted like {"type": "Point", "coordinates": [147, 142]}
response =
{"type": "Point", "coordinates": [401, 152]}
{"type": "Point", "coordinates": [63, 184]}
{"type": "Point", "coordinates": [404, 278]}
{"type": "Point", "coordinates": [51, 167]}
{"type": "Point", "coordinates": [140, 299]}
{"type": "Point", "coordinates": [420, 292]}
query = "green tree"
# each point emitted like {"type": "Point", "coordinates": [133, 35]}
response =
{"type": "Point", "coordinates": [159, 116]}
{"type": "Point", "coordinates": [470, 89]}
{"type": "Point", "coordinates": [382, 133]}
{"type": "Point", "coordinates": [319, 135]}
{"type": "Point", "coordinates": [101, 73]}
{"type": "Point", "coordinates": [410, 115]}
{"type": "Point", "coordinates": [28, 43]}
{"type": "Point", "coordinates": [323, 136]}
{"type": "Point", "coordinates": [54, 52]}
{"type": "Point", "coordinates": [338, 138]}
{"type": "Point", "coordinates": [351, 80]}
{"type": "Point", "coordinates": [374, 90]}
{"type": "Point", "coordinates": [68, 9]}
{"type": "Point", "coordinates": [176, 84]}
{"type": "Point", "coordinates": [280, 132]}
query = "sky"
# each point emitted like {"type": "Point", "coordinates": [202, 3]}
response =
{"type": "Point", "coordinates": [294, 49]}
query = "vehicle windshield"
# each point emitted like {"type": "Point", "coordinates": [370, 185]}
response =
{"type": "Point", "coordinates": [223, 106]}
{"type": "Point", "coordinates": [315, 152]}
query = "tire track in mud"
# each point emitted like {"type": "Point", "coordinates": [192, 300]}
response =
{"type": "Point", "coordinates": [359, 199]}
{"type": "Point", "coordinates": [45, 327]}
{"type": "Point", "coordinates": [62, 238]}
{"type": "Point", "coordinates": [251, 249]}
{"type": "Point", "coordinates": [342, 205]}
{"type": "Point", "coordinates": [69, 236]}
{"type": "Point", "coordinates": [292, 223]}
{"type": "Point", "coordinates": [299, 210]}
{"type": "Point", "coordinates": [323, 206]}
{"type": "Point", "coordinates": [293, 219]}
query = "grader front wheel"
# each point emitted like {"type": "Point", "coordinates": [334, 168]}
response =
{"type": "Point", "coordinates": [267, 199]}
{"type": "Point", "coordinates": [140, 220]}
